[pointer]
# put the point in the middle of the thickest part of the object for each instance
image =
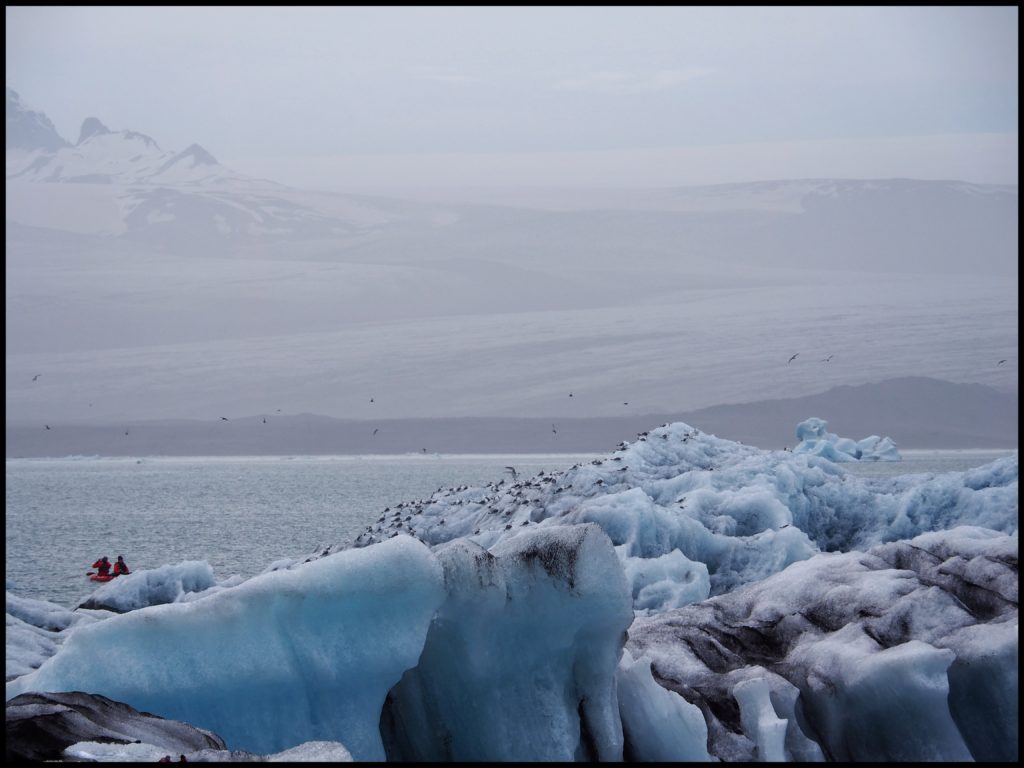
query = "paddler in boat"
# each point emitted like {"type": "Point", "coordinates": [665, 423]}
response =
{"type": "Point", "coordinates": [121, 567]}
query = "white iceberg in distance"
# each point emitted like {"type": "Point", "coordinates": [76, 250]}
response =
{"type": "Point", "coordinates": [815, 440]}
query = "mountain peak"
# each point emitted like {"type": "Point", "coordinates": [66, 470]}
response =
{"type": "Point", "coordinates": [91, 127]}
{"type": "Point", "coordinates": [29, 129]}
{"type": "Point", "coordinates": [199, 156]}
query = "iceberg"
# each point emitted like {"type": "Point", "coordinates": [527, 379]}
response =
{"type": "Point", "coordinates": [814, 439]}
{"type": "Point", "coordinates": [166, 584]}
{"type": "Point", "coordinates": [287, 657]}
{"type": "Point", "coordinates": [35, 630]}
{"type": "Point", "coordinates": [692, 515]}
{"type": "Point", "coordinates": [891, 654]}
{"type": "Point", "coordinates": [685, 598]}
{"type": "Point", "coordinates": [520, 660]}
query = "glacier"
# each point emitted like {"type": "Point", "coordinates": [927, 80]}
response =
{"type": "Point", "coordinates": [815, 439]}
{"type": "Point", "coordinates": [684, 598]}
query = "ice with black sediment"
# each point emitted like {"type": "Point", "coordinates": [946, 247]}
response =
{"type": "Point", "coordinates": [692, 515]}
{"type": "Point", "coordinates": [852, 619]}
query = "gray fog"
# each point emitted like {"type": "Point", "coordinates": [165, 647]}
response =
{"type": "Point", "coordinates": [516, 213]}
{"type": "Point", "coordinates": [340, 98]}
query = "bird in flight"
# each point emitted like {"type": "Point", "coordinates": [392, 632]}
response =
{"type": "Point", "coordinates": [625, 403]}
{"type": "Point", "coordinates": [375, 431]}
{"type": "Point", "coordinates": [264, 419]}
{"type": "Point", "coordinates": [371, 399]}
{"type": "Point", "coordinates": [513, 471]}
{"type": "Point", "coordinates": [36, 376]}
{"type": "Point", "coordinates": [570, 394]}
{"type": "Point", "coordinates": [553, 429]}
{"type": "Point", "coordinates": [46, 425]}
{"type": "Point", "coordinates": [826, 359]}
{"type": "Point", "coordinates": [793, 357]}
{"type": "Point", "coordinates": [223, 418]}
{"type": "Point", "coordinates": [999, 363]}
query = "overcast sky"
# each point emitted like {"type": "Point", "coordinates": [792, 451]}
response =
{"type": "Point", "coordinates": [351, 97]}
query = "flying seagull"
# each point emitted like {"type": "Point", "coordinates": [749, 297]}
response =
{"type": "Point", "coordinates": [826, 359]}
{"type": "Point", "coordinates": [46, 425]}
{"type": "Point", "coordinates": [793, 357]}
{"type": "Point", "coordinates": [264, 419]}
{"type": "Point", "coordinates": [513, 471]}
{"type": "Point", "coordinates": [570, 394]}
{"type": "Point", "coordinates": [36, 376]}
{"type": "Point", "coordinates": [999, 363]}
{"type": "Point", "coordinates": [553, 429]}
{"type": "Point", "coordinates": [223, 418]}
{"type": "Point", "coordinates": [375, 431]}
{"type": "Point", "coordinates": [625, 403]}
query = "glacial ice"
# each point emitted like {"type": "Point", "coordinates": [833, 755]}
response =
{"type": "Point", "coordinates": [685, 598]}
{"type": "Point", "coordinates": [287, 657]}
{"type": "Point", "coordinates": [520, 659]}
{"type": "Point", "coordinates": [35, 630]}
{"type": "Point", "coordinates": [725, 514]}
{"type": "Point", "coordinates": [659, 725]}
{"type": "Point", "coordinates": [814, 439]}
{"type": "Point", "coordinates": [166, 584]}
{"type": "Point", "coordinates": [891, 663]}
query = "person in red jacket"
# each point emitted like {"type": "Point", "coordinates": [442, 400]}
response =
{"type": "Point", "coordinates": [103, 566]}
{"type": "Point", "coordinates": [121, 567]}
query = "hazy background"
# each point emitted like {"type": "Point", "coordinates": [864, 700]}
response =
{"type": "Point", "coordinates": [413, 213]}
{"type": "Point", "coordinates": [639, 96]}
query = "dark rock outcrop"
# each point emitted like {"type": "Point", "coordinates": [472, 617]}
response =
{"type": "Point", "coordinates": [40, 726]}
{"type": "Point", "coordinates": [29, 129]}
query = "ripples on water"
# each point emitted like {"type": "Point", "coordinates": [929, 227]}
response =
{"type": "Point", "coordinates": [238, 513]}
{"type": "Point", "coordinates": [242, 513]}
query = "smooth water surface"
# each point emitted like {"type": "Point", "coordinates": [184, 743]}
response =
{"type": "Point", "coordinates": [240, 514]}
{"type": "Point", "coordinates": [931, 461]}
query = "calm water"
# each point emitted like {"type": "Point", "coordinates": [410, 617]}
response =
{"type": "Point", "coordinates": [242, 513]}
{"type": "Point", "coordinates": [919, 460]}
{"type": "Point", "coordinates": [238, 513]}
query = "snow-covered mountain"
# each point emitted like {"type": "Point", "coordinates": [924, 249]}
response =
{"type": "Point", "coordinates": [36, 152]}
{"type": "Point", "coordinates": [29, 130]}
{"type": "Point", "coordinates": [122, 183]}
{"type": "Point", "coordinates": [103, 156]}
{"type": "Point", "coordinates": [130, 265]}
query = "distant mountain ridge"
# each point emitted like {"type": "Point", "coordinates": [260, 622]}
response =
{"type": "Point", "coordinates": [917, 412]}
{"type": "Point", "coordinates": [101, 156]}
{"type": "Point", "coordinates": [186, 201]}
{"type": "Point", "coordinates": [130, 266]}
{"type": "Point", "coordinates": [178, 201]}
